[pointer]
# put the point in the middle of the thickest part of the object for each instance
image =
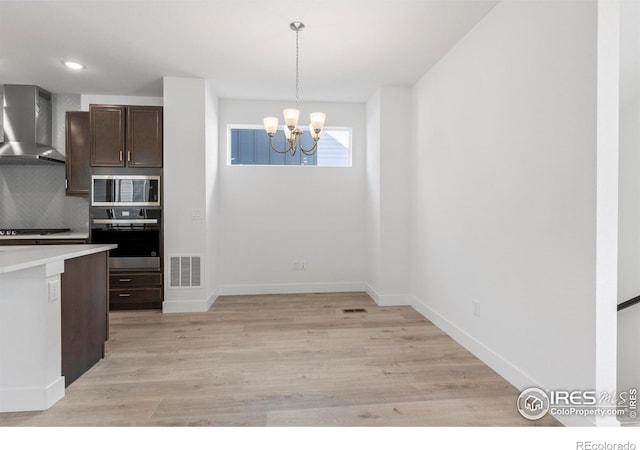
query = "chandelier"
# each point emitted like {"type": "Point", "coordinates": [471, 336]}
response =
{"type": "Point", "coordinates": [292, 133]}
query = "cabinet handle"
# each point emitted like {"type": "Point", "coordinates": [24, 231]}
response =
{"type": "Point", "coordinates": [125, 280]}
{"type": "Point", "coordinates": [121, 155]}
{"type": "Point", "coordinates": [124, 295]}
{"type": "Point", "coordinates": [128, 156]}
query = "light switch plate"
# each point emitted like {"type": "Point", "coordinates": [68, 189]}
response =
{"type": "Point", "coordinates": [53, 291]}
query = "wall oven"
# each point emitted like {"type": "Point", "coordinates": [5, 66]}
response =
{"type": "Point", "coordinates": [125, 190]}
{"type": "Point", "coordinates": [136, 231]}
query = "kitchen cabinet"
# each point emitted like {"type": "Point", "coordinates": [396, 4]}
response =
{"type": "Point", "coordinates": [144, 136]}
{"type": "Point", "coordinates": [78, 145]}
{"type": "Point", "coordinates": [107, 135]}
{"type": "Point", "coordinates": [17, 242]}
{"type": "Point", "coordinates": [42, 241]}
{"type": "Point", "coordinates": [84, 313]}
{"type": "Point", "coordinates": [126, 136]}
{"type": "Point", "coordinates": [60, 241]}
{"type": "Point", "coordinates": [130, 289]}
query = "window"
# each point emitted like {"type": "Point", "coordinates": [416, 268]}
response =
{"type": "Point", "coordinates": [249, 145]}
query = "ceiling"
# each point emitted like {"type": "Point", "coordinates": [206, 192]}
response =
{"type": "Point", "coordinates": [348, 49]}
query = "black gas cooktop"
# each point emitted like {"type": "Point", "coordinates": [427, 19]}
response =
{"type": "Point", "coordinates": [27, 231]}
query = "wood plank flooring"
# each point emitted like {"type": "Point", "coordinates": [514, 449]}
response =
{"type": "Point", "coordinates": [283, 360]}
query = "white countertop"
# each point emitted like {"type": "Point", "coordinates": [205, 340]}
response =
{"type": "Point", "coordinates": [19, 257]}
{"type": "Point", "coordinates": [66, 235]}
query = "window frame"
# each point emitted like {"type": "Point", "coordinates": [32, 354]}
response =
{"type": "Point", "coordinates": [231, 127]}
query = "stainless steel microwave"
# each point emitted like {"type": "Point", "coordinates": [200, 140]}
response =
{"type": "Point", "coordinates": [125, 190]}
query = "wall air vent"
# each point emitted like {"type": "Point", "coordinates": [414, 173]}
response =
{"type": "Point", "coordinates": [185, 271]}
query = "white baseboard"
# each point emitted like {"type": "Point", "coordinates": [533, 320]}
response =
{"type": "Point", "coordinates": [502, 366]}
{"type": "Point", "coordinates": [31, 399]}
{"type": "Point", "coordinates": [290, 288]}
{"type": "Point", "coordinates": [388, 299]}
{"type": "Point", "coordinates": [189, 306]}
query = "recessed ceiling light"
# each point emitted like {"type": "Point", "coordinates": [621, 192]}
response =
{"type": "Point", "coordinates": [73, 65]}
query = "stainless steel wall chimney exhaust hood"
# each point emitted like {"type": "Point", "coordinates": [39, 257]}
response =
{"type": "Point", "coordinates": [27, 124]}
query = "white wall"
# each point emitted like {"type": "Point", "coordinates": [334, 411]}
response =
{"type": "Point", "coordinates": [628, 339]}
{"type": "Point", "coordinates": [372, 193]}
{"type": "Point", "coordinates": [504, 193]}
{"type": "Point", "coordinates": [629, 206]}
{"type": "Point", "coordinates": [387, 195]}
{"type": "Point", "coordinates": [271, 216]}
{"type": "Point", "coordinates": [629, 247]}
{"type": "Point", "coordinates": [189, 177]}
{"type": "Point", "coordinates": [212, 193]}
{"type": "Point", "coordinates": [629, 229]}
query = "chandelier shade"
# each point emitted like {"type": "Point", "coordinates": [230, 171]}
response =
{"type": "Point", "coordinates": [291, 116]}
{"type": "Point", "coordinates": [271, 124]}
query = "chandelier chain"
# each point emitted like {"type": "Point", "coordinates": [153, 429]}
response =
{"type": "Point", "coordinates": [297, 68]}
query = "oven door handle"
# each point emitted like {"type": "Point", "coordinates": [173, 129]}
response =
{"type": "Point", "coordinates": [124, 221]}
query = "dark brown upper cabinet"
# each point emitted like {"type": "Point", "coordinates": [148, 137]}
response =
{"type": "Point", "coordinates": [77, 149]}
{"type": "Point", "coordinates": [126, 136]}
{"type": "Point", "coordinates": [107, 135]}
{"type": "Point", "coordinates": [144, 136]}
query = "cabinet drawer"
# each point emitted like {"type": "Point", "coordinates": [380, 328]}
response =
{"type": "Point", "coordinates": [124, 280]}
{"type": "Point", "coordinates": [60, 241]}
{"type": "Point", "coordinates": [135, 295]}
{"type": "Point", "coordinates": [17, 242]}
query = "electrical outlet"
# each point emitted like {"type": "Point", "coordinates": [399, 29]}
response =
{"type": "Point", "coordinates": [476, 308]}
{"type": "Point", "coordinates": [196, 214]}
{"type": "Point", "coordinates": [299, 264]}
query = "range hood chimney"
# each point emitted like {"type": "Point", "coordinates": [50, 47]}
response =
{"type": "Point", "coordinates": [27, 124]}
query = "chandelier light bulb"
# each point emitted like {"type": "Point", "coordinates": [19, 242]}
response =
{"type": "Point", "coordinates": [313, 132]}
{"type": "Point", "coordinates": [271, 125]}
{"type": "Point", "coordinates": [287, 133]}
{"type": "Point", "coordinates": [291, 116]}
{"type": "Point", "coordinates": [317, 120]}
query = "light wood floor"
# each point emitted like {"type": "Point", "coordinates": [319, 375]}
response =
{"type": "Point", "coordinates": [283, 360]}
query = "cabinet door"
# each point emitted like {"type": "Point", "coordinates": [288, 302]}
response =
{"type": "Point", "coordinates": [78, 146]}
{"type": "Point", "coordinates": [107, 135]}
{"type": "Point", "coordinates": [144, 136]}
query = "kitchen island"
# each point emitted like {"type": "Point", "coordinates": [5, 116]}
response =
{"type": "Point", "coordinates": [53, 320]}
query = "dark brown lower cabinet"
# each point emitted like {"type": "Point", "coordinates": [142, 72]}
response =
{"type": "Point", "coordinates": [42, 241]}
{"type": "Point", "coordinates": [135, 289]}
{"type": "Point", "coordinates": [85, 313]}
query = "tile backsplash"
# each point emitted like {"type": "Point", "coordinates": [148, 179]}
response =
{"type": "Point", "coordinates": [34, 196]}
